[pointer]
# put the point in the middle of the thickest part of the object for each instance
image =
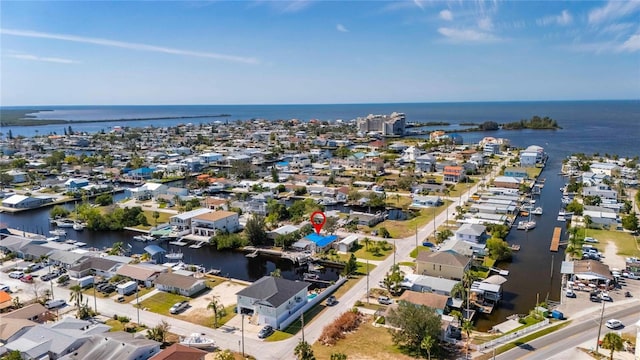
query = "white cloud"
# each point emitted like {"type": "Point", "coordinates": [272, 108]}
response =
{"type": "Point", "coordinates": [467, 35]}
{"type": "Point", "coordinates": [563, 19]}
{"type": "Point", "coordinates": [632, 44]}
{"type": "Point", "coordinates": [485, 24]}
{"type": "Point", "coordinates": [419, 4]}
{"type": "Point", "coordinates": [446, 15]}
{"type": "Point", "coordinates": [44, 59]}
{"type": "Point", "coordinates": [341, 28]}
{"type": "Point", "coordinates": [613, 10]}
{"type": "Point", "coordinates": [127, 45]}
{"type": "Point", "coordinates": [294, 6]}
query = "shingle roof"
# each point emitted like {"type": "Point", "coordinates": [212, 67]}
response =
{"type": "Point", "coordinates": [176, 280]}
{"type": "Point", "coordinates": [180, 352]}
{"type": "Point", "coordinates": [273, 291]}
{"type": "Point", "coordinates": [450, 258]}
{"type": "Point", "coordinates": [431, 300]}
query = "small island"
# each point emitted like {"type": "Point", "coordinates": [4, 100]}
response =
{"type": "Point", "coordinates": [536, 123]}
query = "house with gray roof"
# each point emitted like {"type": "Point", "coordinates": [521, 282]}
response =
{"type": "Point", "coordinates": [184, 285]}
{"type": "Point", "coordinates": [117, 345]}
{"type": "Point", "coordinates": [474, 233]}
{"type": "Point", "coordinates": [271, 300]}
{"type": "Point", "coordinates": [95, 266]}
{"type": "Point", "coordinates": [445, 264]}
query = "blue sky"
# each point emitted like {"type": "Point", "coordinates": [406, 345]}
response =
{"type": "Point", "coordinates": [305, 52]}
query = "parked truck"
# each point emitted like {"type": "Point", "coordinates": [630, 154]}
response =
{"type": "Point", "coordinates": [85, 281]}
{"type": "Point", "coordinates": [127, 288]}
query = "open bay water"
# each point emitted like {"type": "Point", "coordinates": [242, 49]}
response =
{"type": "Point", "coordinates": [611, 127]}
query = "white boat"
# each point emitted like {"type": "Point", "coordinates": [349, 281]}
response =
{"type": "Point", "coordinates": [174, 255]}
{"type": "Point", "coordinates": [53, 238]}
{"type": "Point", "coordinates": [537, 211]}
{"type": "Point", "coordinates": [526, 225]}
{"type": "Point", "coordinates": [80, 244]}
{"type": "Point", "coordinates": [198, 341]}
{"type": "Point", "coordinates": [143, 238]}
{"type": "Point", "coordinates": [78, 226]}
{"type": "Point", "coordinates": [64, 223]}
{"type": "Point", "coordinates": [58, 232]}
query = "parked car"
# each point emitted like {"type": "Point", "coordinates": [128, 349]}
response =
{"type": "Point", "coordinates": [385, 300]}
{"type": "Point", "coordinates": [591, 240]}
{"type": "Point", "coordinates": [35, 267]}
{"type": "Point", "coordinates": [630, 275]}
{"type": "Point", "coordinates": [16, 274]}
{"type": "Point", "coordinates": [120, 299]}
{"type": "Point", "coordinates": [5, 288]}
{"type": "Point", "coordinates": [331, 300]}
{"type": "Point", "coordinates": [614, 324]}
{"type": "Point", "coordinates": [49, 276]}
{"type": "Point", "coordinates": [605, 296]}
{"type": "Point", "coordinates": [570, 293]}
{"type": "Point", "coordinates": [594, 297]}
{"type": "Point", "coordinates": [178, 307]}
{"type": "Point", "coordinates": [27, 279]}
{"type": "Point", "coordinates": [265, 332]}
{"type": "Point", "coordinates": [52, 304]}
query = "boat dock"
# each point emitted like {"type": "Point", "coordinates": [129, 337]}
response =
{"type": "Point", "coordinates": [515, 247]}
{"type": "Point", "coordinates": [178, 243]}
{"type": "Point", "coordinates": [555, 240]}
{"type": "Point", "coordinates": [500, 271]}
{"type": "Point", "coordinates": [197, 245]}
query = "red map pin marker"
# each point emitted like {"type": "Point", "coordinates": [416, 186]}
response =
{"type": "Point", "coordinates": [318, 225]}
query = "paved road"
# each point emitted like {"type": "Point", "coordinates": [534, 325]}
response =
{"type": "Point", "coordinates": [584, 329]}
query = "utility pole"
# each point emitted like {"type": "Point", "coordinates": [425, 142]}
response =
{"type": "Point", "coordinates": [302, 322]}
{"type": "Point", "coordinates": [416, 236]}
{"type": "Point", "coordinates": [137, 304]}
{"type": "Point", "coordinates": [367, 281]}
{"type": "Point", "coordinates": [600, 327]}
{"type": "Point", "coordinates": [95, 302]}
{"type": "Point", "coordinates": [243, 336]}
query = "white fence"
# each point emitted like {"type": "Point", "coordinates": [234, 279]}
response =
{"type": "Point", "coordinates": [511, 336]}
{"type": "Point", "coordinates": [311, 303]}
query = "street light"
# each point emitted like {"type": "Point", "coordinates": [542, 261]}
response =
{"type": "Point", "coordinates": [137, 304]}
{"type": "Point", "coordinates": [600, 327]}
{"type": "Point", "coordinates": [243, 336]}
{"type": "Point", "coordinates": [95, 302]}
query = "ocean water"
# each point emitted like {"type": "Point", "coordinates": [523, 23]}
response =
{"type": "Point", "coordinates": [587, 126]}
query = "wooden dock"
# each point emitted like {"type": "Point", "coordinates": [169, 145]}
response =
{"type": "Point", "coordinates": [555, 240]}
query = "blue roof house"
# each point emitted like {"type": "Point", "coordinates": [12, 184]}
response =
{"type": "Point", "coordinates": [322, 243]}
{"type": "Point", "coordinates": [141, 173]}
{"type": "Point", "coordinates": [74, 184]}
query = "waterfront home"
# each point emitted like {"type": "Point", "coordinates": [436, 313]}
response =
{"type": "Point", "coordinates": [209, 224]}
{"type": "Point", "coordinates": [75, 184]}
{"type": "Point", "coordinates": [431, 300]}
{"type": "Point", "coordinates": [182, 222]}
{"type": "Point", "coordinates": [428, 284]}
{"type": "Point", "coordinates": [148, 191]}
{"type": "Point", "coordinates": [271, 300]}
{"type": "Point", "coordinates": [508, 182]}
{"type": "Point", "coordinates": [601, 190]}
{"type": "Point", "coordinates": [118, 345]}
{"type": "Point", "coordinates": [486, 294]}
{"type": "Point", "coordinates": [462, 247]}
{"type": "Point", "coordinates": [491, 148]}
{"type": "Point", "coordinates": [181, 284]}
{"type": "Point", "coordinates": [98, 266]}
{"type": "Point", "coordinates": [492, 208]}
{"type": "Point", "coordinates": [445, 264]}
{"type": "Point", "coordinates": [410, 154]}
{"type": "Point", "coordinates": [590, 271]}
{"type": "Point", "coordinates": [67, 259]}
{"type": "Point", "coordinates": [604, 168]}
{"type": "Point", "coordinates": [35, 313]}
{"type": "Point", "coordinates": [25, 202]}
{"type": "Point", "coordinates": [474, 233]}
{"type": "Point", "coordinates": [141, 273]}
{"type": "Point", "coordinates": [532, 156]}
{"type": "Point", "coordinates": [55, 340]}
{"type": "Point", "coordinates": [16, 244]}
{"type": "Point", "coordinates": [516, 172]}
{"type": "Point", "coordinates": [282, 231]}
{"type": "Point", "coordinates": [180, 352]}
{"type": "Point", "coordinates": [321, 243]}
{"type": "Point", "coordinates": [601, 216]}
{"type": "Point", "coordinates": [366, 218]}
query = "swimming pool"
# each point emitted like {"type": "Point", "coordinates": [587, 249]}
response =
{"type": "Point", "coordinates": [311, 296]}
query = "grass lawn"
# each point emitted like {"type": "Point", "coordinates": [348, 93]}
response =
{"type": "Point", "coordinates": [362, 271]}
{"type": "Point", "coordinates": [309, 315]}
{"type": "Point", "coordinates": [161, 302]}
{"type": "Point", "coordinates": [414, 252]}
{"type": "Point", "coordinates": [132, 297]}
{"type": "Point", "coordinates": [401, 201]}
{"type": "Point", "coordinates": [116, 325]}
{"type": "Point", "coordinates": [407, 263]}
{"type": "Point", "coordinates": [362, 252]}
{"type": "Point", "coordinates": [164, 218]}
{"type": "Point", "coordinates": [534, 172]}
{"type": "Point", "coordinates": [625, 242]}
{"type": "Point", "coordinates": [205, 318]}
{"type": "Point", "coordinates": [279, 336]}
{"type": "Point", "coordinates": [401, 229]}
{"type": "Point", "coordinates": [368, 342]}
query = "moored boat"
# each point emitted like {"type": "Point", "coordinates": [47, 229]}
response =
{"type": "Point", "coordinates": [143, 238]}
{"type": "Point", "coordinates": [58, 232]}
{"type": "Point", "coordinates": [537, 211]}
{"type": "Point", "coordinates": [174, 255]}
{"type": "Point", "coordinates": [64, 223]}
{"type": "Point", "coordinates": [78, 226]}
{"type": "Point", "coordinates": [526, 225]}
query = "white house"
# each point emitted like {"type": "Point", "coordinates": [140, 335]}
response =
{"type": "Point", "coordinates": [604, 168]}
{"type": "Point", "coordinates": [74, 184]}
{"type": "Point", "coordinates": [183, 221]}
{"type": "Point", "coordinates": [532, 155]}
{"type": "Point", "coordinates": [346, 244]}
{"type": "Point", "coordinates": [208, 224]}
{"type": "Point", "coordinates": [18, 176]}
{"type": "Point", "coordinates": [271, 300]}
{"type": "Point", "coordinates": [24, 202]}
{"type": "Point", "coordinates": [602, 191]}
{"type": "Point", "coordinates": [181, 284]}
{"type": "Point", "coordinates": [148, 191]}
{"type": "Point", "coordinates": [209, 158]}
{"type": "Point", "coordinates": [471, 232]}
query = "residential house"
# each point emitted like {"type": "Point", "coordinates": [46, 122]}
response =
{"type": "Point", "coordinates": [5, 301]}
{"type": "Point", "coordinates": [425, 163]}
{"type": "Point", "coordinates": [34, 312]}
{"type": "Point", "coordinates": [426, 201]}
{"type": "Point", "coordinates": [141, 173]}
{"type": "Point", "coordinates": [474, 233]}
{"type": "Point", "coordinates": [345, 245]}
{"type": "Point", "coordinates": [141, 273]}
{"type": "Point", "coordinates": [491, 148]}
{"type": "Point", "coordinates": [180, 352]}
{"type": "Point", "coordinates": [181, 284]}
{"type": "Point", "coordinates": [322, 243]}
{"type": "Point", "coordinates": [66, 259]}
{"type": "Point", "coordinates": [431, 284]}
{"type": "Point", "coordinates": [603, 191]}
{"type": "Point", "coordinates": [18, 176]}
{"type": "Point", "coordinates": [148, 191]}
{"type": "Point", "coordinates": [25, 202]}
{"type": "Point", "coordinates": [516, 172]}
{"type": "Point", "coordinates": [182, 222]}
{"type": "Point", "coordinates": [97, 266]}
{"type": "Point", "coordinates": [271, 300]}
{"type": "Point", "coordinates": [601, 216]}
{"type": "Point", "coordinates": [118, 345]}
{"type": "Point", "coordinates": [210, 223]}
{"type": "Point", "coordinates": [508, 182]}
{"type": "Point", "coordinates": [75, 184]}
{"type": "Point", "coordinates": [282, 231]}
{"type": "Point", "coordinates": [445, 264]}
{"type": "Point", "coordinates": [532, 156]}
{"type": "Point", "coordinates": [366, 218]}
{"type": "Point", "coordinates": [210, 158]}
{"type": "Point", "coordinates": [604, 168]}
{"type": "Point", "coordinates": [453, 174]}
{"type": "Point", "coordinates": [435, 301]}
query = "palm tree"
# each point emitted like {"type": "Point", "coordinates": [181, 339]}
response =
{"type": "Point", "coordinates": [613, 342]}
{"type": "Point", "coordinates": [76, 295]}
{"type": "Point", "coordinates": [427, 344]}
{"type": "Point", "coordinates": [366, 242]}
{"type": "Point", "coordinates": [587, 223]}
{"type": "Point", "coordinates": [303, 351]}
{"type": "Point", "coordinates": [155, 215]}
{"type": "Point", "coordinates": [467, 327]}
{"type": "Point", "coordinates": [218, 309]}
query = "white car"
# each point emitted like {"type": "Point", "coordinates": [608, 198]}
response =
{"type": "Point", "coordinates": [5, 288]}
{"type": "Point", "coordinates": [591, 240]}
{"type": "Point", "coordinates": [614, 324]}
{"type": "Point", "coordinates": [16, 274]}
{"type": "Point", "coordinates": [178, 307]}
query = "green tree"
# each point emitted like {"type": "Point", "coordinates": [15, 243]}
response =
{"type": "Point", "coordinates": [393, 279]}
{"type": "Point", "coordinates": [13, 355]}
{"type": "Point", "coordinates": [366, 242]}
{"type": "Point", "coordinates": [331, 224]}
{"type": "Point", "coordinates": [274, 175]}
{"type": "Point", "coordinates": [58, 212]}
{"type": "Point", "coordinates": [5, 179]}
{"type": "Point", "coordinates": [218, 309]}
{"type": "Point", "coordinates": [159, 332]}
{"type": "Point", "coordinates": [276, 273]}
{"type": "Point", "coordinates": [116, 248]}
{"type": "Point", "coordinates": [498, 249]}
{"type": "Point", "coordinates": [255, 230]}
{"type": "Point", "coordinates": [156, 216]}
{"type": "Point", "coordinates": [303, 351]}
{"type": "Point", "coordinates": [630, 222]}
{"type": "Point", "coordinates": [224, 355]}
{"type": "Point", "coordinates": [412, 324]}
{"type": "Point", "coordinates": [104, 199]}
{"type": "Point", "coordinates": [427, 344]}
{"type": "Point", "coordinates": [575, 207]}
{"type": "Point", "coordinates": [351, 266]}
{"type": "Point", "coordinates": [338, 356]}
{"type": "Point", "coordinates": [613, 342]}
{"type": "Point", "coordinates": [467, 327]}
{"type": "Point", "coordinates": [343, 152]}
{"type": "Point", "coordinates": [383, 232]}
